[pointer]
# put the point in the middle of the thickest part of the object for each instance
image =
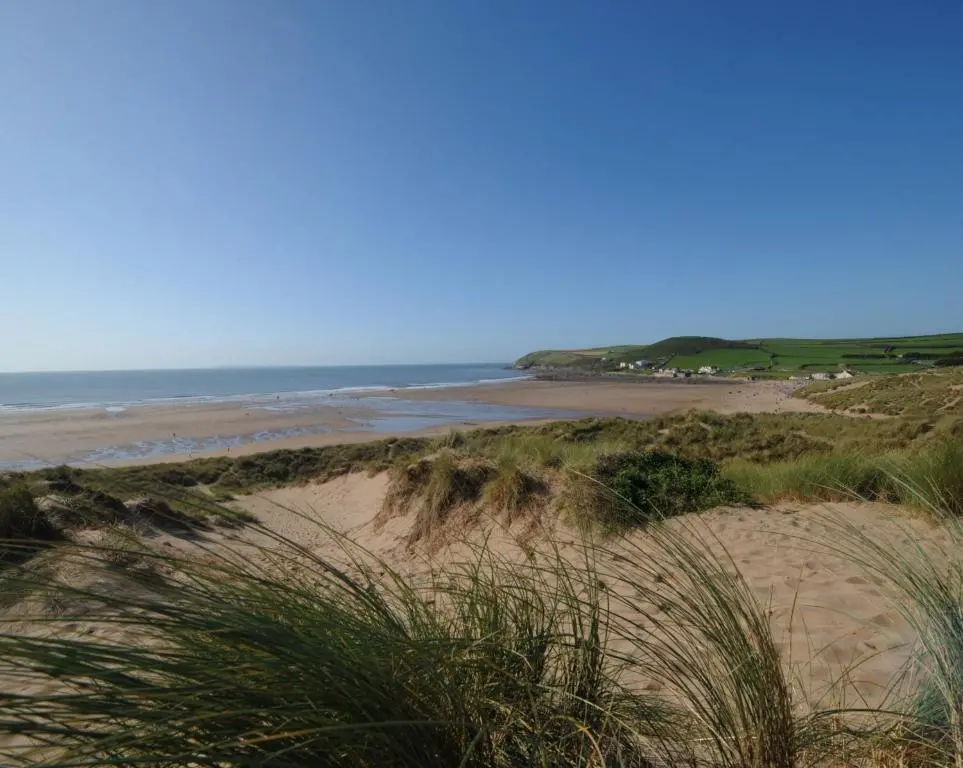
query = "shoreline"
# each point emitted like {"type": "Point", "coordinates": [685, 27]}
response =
{"type": "Point", "coordinates": [252, 400]}
{"type": "Point", "coordinates": [176, 432]}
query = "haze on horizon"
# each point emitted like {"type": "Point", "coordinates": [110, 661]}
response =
{"type": "Point", "coordinates": [251, 183]}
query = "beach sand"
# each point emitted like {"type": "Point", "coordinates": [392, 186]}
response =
{"type": "Point", "coordinates": [634, 399]}
{"type": "Point", "coordinates": [145, 434]}
{"type": "Point", "coordinates": [827, 615]}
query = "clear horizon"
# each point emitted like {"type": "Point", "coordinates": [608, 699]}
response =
{"type": "Point", "coordinates": [241, 184]}
{"type": "Point", "coordinates": [230, 366]}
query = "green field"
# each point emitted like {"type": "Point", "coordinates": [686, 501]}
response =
{"type": "Point", "coordinates": [776, 357]}
{"type": "Point", "coordinates": [721, 358]}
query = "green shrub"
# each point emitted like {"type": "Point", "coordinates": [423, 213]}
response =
{"type": "Point", "coordinates": [62, 479]}
{"type": "Point", "coordinates": [638, 487]}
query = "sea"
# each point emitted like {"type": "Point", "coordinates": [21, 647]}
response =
{"type": "Point", "coordinates": [375, 396]}
{"type": "Point", "coordinates": [102, 389]}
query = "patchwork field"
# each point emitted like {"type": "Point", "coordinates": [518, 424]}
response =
{"type": "Point", "coordinates": [775, 357]}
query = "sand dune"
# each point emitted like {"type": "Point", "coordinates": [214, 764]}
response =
{"type": "Point", "coordinates": [826, 613]}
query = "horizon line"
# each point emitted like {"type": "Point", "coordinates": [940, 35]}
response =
{"type": "Point", "coordinates": [247, 367]}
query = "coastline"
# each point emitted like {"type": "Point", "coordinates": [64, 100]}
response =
{"type": "Point", "coordinates": [172, 432]}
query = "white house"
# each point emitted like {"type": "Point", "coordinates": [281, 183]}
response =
{"type": "Point", "coordinates": [623, 365]}
{"type": "Point", "coordinates": [844, 375]}
{"type": "Point", "coordinates": [820, 376]}
{"type": "Point", "coordinates": [708, 370]}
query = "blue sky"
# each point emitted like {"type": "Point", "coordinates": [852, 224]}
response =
{"type": "Point", "coordinates": [230, 182]}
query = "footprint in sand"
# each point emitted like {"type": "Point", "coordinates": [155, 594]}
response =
{"type": "Point", "coordinates": [882, 620]}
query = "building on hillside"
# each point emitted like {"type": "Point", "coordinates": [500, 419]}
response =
{"type": "Point", "coordinates": [820, 376]}
{"type": "Point", "coordinates": [708, 370]}
{"type": "Point", "coordinates": [844, 375]}
{"type": "Point", "coordinates": [623, 365]}
{"type": "Point", "coordinates": [640, 364]}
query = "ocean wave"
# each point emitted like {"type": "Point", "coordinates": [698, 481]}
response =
{"type": "Point", "coordinates": [186, 399]}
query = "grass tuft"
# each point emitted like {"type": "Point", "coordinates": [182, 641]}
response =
{"type": "Point", "coordinates": [927, 479]}
{"type": "Point", "coordinates": [450, 482]}
{"type": "Point", "coordinates": [492, 665]}
{"type": "Point", "coordinates": [512, 490]}
{"type": "Point", "coordinates": [23, 525]}
{"type": "Point", "coordinates": [928, 695]}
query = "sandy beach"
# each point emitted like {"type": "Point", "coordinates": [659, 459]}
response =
{"type": "Point", "coordinates": [634, 399]}
{"type": "Point", "coordinates": [172, 432]}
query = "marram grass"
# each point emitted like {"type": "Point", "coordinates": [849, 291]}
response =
{"type": "Point", "coordinates": [286, 658]}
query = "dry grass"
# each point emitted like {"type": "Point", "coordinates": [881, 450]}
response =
{"type": "Point", "coordinates": [935, 393]}
{"type": "Point", "coordinates": [512, 491]}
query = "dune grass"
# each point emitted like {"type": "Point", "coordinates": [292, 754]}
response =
{"type": "Point", "coordinates": [926, 394]}
{"type": "Point", "coordinates": [928, 479]}
{"type": "Point", "coordinates": [695, 434]}
{"type": "Point", "coordinates": [489, 666]}
{"type": "Point", "coordinates": [513, 490]}
{"type": "Point", "coordinates": [493, 663]}
{"type": "Point", "coordinates": [24, 529]}
{"type": "Point", "coordinates": [765, 458]}
{"type": "Point", "coordinates": [928, 694]}
{"type": "Point", "coordinates": [295, 660]}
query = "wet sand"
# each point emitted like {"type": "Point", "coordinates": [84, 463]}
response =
{"type": "Point", "coordinates": [173, 432]}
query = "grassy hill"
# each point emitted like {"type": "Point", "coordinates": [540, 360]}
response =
{"type": "Point", "coordinates": [773, 356]}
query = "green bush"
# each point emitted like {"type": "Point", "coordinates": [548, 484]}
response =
{"type": "Point", "coordinates": [638, 487]}
{"type": "Point", "coordinates": [21, 522]}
